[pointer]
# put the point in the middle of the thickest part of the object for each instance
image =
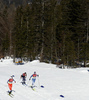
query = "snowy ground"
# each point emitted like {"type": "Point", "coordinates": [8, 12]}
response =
{"type": "Point", "coordinates": [73, 84]}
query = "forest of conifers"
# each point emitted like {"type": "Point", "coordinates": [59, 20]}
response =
{"type": "Point", "coordinates": [45, 29]}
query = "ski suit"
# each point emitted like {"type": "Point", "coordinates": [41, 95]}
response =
{"type": "Point", "coordinates": [23, 76]}
{"type": "Point", "coordinates": [10, 83]}
{"type": "Point", "coordinates": [33, 76]}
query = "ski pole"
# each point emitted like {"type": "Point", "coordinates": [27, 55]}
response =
{"type": "Point", "coordinates": [38, 82]}
{"type": "Point", "coordinates": [18, 81]}
{"type": "Point", "coordinates": [28, 82]}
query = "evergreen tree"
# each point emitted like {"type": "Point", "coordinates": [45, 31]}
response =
{"type": "Point", "coordinates": [49, 30]}
{"type": "Point", "coordinates": [29, 31]}
{"type": "Point", "coordinates": [72, 26]}
{"type": "Point", "coordinates": [4, 32]}
{"type": "Point", "coordinates": [37, 9]}
{"type": "Point", "coordinates": [19, 33]}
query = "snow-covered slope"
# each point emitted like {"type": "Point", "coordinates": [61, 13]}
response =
{"type": "Point", "coordinates": [73, 84]}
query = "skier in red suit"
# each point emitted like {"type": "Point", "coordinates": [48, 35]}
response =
{"type": "Point", "coordinates": [10, 83]}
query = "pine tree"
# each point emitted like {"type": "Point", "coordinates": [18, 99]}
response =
{"type": "Point", "coordinates": [4, 32]}
{"type": "Point", "coordinates": [37, 9]}
{"type": "Point", "coordinates": [49, 30]}
{"type": "Point", "coordinates": [19, 33]}
{"type": "Point", "coordinates": [72, 26]}
{"type": "Point", "coordinates": [29, 31]}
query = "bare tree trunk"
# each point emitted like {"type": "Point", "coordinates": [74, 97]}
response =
{"type": "Point", "coordinates": [42, 49]}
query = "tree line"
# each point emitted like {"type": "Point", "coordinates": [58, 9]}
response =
{"type": "Point", "coordinates": [46, 30]}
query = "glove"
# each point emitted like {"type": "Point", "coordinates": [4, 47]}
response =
{"type": "Point", "coordinates": [29, 79]}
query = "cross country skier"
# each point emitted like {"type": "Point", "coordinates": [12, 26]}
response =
{"type": "Point", "coordinates": [23, 76]}
{"type": "Point", "coordinates": [33, 76]}
{"type": "Point", "coordinates": [10, 83]}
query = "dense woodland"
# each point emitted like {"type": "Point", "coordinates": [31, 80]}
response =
{"type": "Point", "coordinates": [48, 30]}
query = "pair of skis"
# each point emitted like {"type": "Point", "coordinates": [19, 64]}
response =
{"type": "Point", "coordinates": [33, 87]}
{"type": "Point", "coordinates": [10, 94]}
